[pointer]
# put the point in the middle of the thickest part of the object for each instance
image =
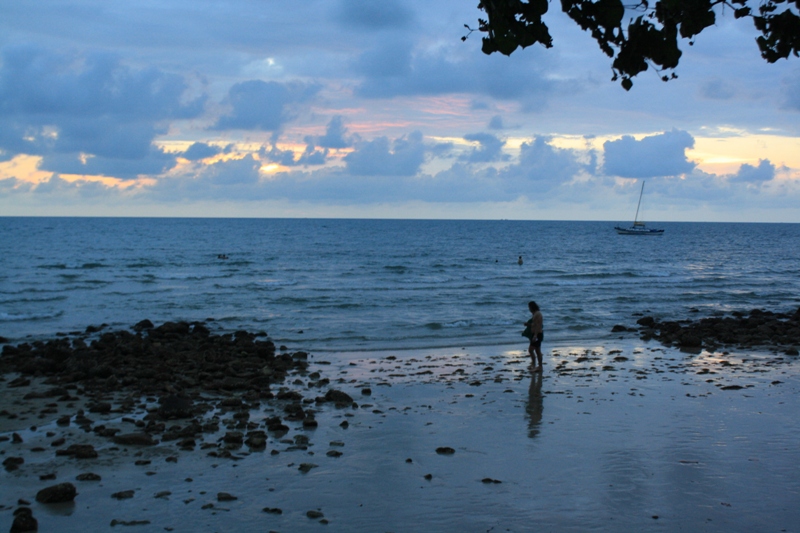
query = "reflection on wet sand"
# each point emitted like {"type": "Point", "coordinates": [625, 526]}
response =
{"type": "Point", "coordinates": [535, 405]}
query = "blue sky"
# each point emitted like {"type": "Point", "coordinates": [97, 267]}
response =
{"type": "Point", "coordinates": [359, 108]}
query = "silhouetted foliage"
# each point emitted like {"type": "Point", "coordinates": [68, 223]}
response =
{"type": "Point", "coordinates": [637, 36]}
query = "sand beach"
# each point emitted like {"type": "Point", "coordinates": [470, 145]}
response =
{"type": "Point", "coordinates": [630, 435]}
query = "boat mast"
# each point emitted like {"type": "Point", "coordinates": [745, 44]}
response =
{"type": "Point", "coordinates": [636, 218]}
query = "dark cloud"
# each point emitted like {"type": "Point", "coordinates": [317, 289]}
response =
{"type": "Point", "coordinates": [155, 162]}
{"type": "Point", "coordinates": [496, 123]}
{"type": "Point", "coordinates": [380, 157]}
{"type": "Point", "coordinates": [658, 155]}
{"type": "Point", "coordinates": [765, 171]}
{"type": "Point", "coordinates": [310, 156]}
{"type": "Point", "coordinates": [198, 151]}
{"type": "Point", "coordinates": [334, 135]}
{"type": "Point", "coordinates": [717, 89]}
{"type": "Point", "coordinates": [372, 15]}
{"type": "Point", "coordinates": [64, 107]}
{"type": "Point", "coordinates": [490, 148]}
{"type": "Point", "coordinates": [262, 105]}
{"type": "Point", "coordinates": [541, 167]}
{"type": "Point", "coordinates": [394, 69]}
{"type": "Point", "coordinates": [791, 91]}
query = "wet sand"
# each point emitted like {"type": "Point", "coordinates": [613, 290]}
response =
{"type": "Point", "coordinates": [628, 436]}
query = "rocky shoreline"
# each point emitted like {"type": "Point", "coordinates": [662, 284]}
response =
{"type": "Point", "coordinates": [758, 328]}
{"type": "Point", "coordinates": [158, 392]}
{"type": "Point", "coordinates": [174, 384]}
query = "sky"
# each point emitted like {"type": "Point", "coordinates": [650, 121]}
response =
{"type": "Point", "coordinates": [378, 109]}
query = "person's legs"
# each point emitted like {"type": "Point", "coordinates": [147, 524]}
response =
{"type": "Point", "coordinates": [537, 347]}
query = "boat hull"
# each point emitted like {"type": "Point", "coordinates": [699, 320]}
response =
{"type": "Point", "coordinates": [638, 231]}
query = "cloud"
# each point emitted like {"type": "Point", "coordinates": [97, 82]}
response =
{"type": "Point", "coordinates": [288, 158]}
{"type": "Point", "coordinates": [496, 123]}
{"type": "Point", "coordinates": [380, 157]}
{"type": "Point", "coordinates": [490, 148]}
{"type": "Point", "coordinates": [67, 106]}
{"type": "Point", "coordinates": [199, 150]}
{"type": "Point", "coordinates": [393, 68]}
{"type": "Point", "coordinates": [334, 135]}
{"type": "Point", "coordinates": [658, 155]}
{"type": "Point", "coordinates": [765, 171]}
{"type": "Point", "coordinates": [371, 15]}
{"type": "Point", "coordinates": [541, 168]}
{"type": "Point", "coordinates": [717, 89]}
{"type": "Point", "coordinates": [791, 91]}
{"type": "Point", "coordinates": [155, 162]}
{"type": "Point", "coordinates": [262, 105]}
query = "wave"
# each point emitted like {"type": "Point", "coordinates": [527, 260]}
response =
{"type": "Point", "coordinates": [22, 317]}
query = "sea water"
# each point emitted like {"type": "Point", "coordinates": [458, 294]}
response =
{"type": "Point", "coordinates": [353, 285]}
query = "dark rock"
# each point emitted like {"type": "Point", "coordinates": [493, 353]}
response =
{"type": "Point", "coordinates": [116, 522]}
{"type": "Point", "coordinates": [314, 514]}
{"type": "Point", "coordinates": [16, 439]}
{"type": "Point", "coordinates": [134, 439]}
{"type": "Point", "coordinates": [445, 450]}
{"type": "Point", "coordinates": [174, 407]}
{"type": "Point", "coordinates": [618, 329]}
{"type": "Point", "coordinates": [272, 510]}
{"type": "Point", "coordinates": [233, 437]}
{"type": "Point", "coordinates": [88, 476]}
{"type": "Point", "coordinates": [306, 467]}
{"type": "Point", "coordinates": [79, 451]}
{"type": "Point", "coordinates": [338, 397]}
{"type": "Point", "coordinates": [63, 492]}
{"type": "Point", "coordinates": [143, 325]}
{"type": "Point", "coordinates": [24, 521]}
{"type": "Point", "coordinates": [646, 321]}
{"type": "Point", "coordinates": [123, 495]}
{"type": "Point", "coordinates": [225, 497]}
{"type": "Point", "coordinates": [12, 463]}
{"type": "Point", "coordinates": [100, 407]}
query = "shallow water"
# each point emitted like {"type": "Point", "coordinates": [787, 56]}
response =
{"type": "Point", "coordinates": [340, 285]}
{"type": "Point", "coordinates": [644, 444]}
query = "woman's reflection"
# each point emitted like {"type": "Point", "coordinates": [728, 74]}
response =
{"type": "Point", "coordinates": [535, 405]}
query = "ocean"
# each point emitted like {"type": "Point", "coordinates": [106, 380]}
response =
{"type": "Point", "coordinates": [331, 285]}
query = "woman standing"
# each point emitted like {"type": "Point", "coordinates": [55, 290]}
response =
{"type": "Point", "coordinates": [537, 335]}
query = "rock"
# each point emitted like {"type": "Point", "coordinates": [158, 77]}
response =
{"type": "Point", "coordinates": [174, 407]}
{"type": "Point", "coordinates": [123, 495]}
{"type": "Point", "coordinates": [88, 476]}
{"type": "Point", "coordinates": [143, 325]}
{"type": "Point", "coordinates": [256, 439]}
{"type": "Point", "coordinates": [792, 350]}
{"type": "Point", "coordinates": [225, 497]}
{"type": "Point", "coordinates": [618, 328]}
{"type": "Point", "coordinates": [63, 492]}
{"type": "Point", "coordinates": [233, 437]}
{"type": "Point", "coordinates": [79, 451]}
{"type": "Point", "coordinates": [24, 521]}
{"type": "Point", "coordinates": [306, 467]}
{"type": "Point", "coordinates": [338, 397]}
{"type": "Point", "coordinates": [12, 463]}
{"type": "Point", "coordinates": [16, 439]}
{"type": "Point", "coordinates": [100, 407]}
{"type": "Point", "coordinates": [116, 522]}
{"type": "Point", "coordinates": [314, 514]}
{"type": "Point", "coordinates": [134, 439]}
{"type": "Point", "coordinates": [272, 510]}
{"type": "Point", "coordinates": [334, 453]}
{"type": "Point", "coordinates": [445, 450]}
{"type": "Point", "coordinates": [646, 321]}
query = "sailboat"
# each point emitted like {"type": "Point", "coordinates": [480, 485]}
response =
{"type": "Point", "coordinates": [638, 227]}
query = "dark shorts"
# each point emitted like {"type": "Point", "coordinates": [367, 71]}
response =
{"type": "Point", "coordinates": [536, 342]}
